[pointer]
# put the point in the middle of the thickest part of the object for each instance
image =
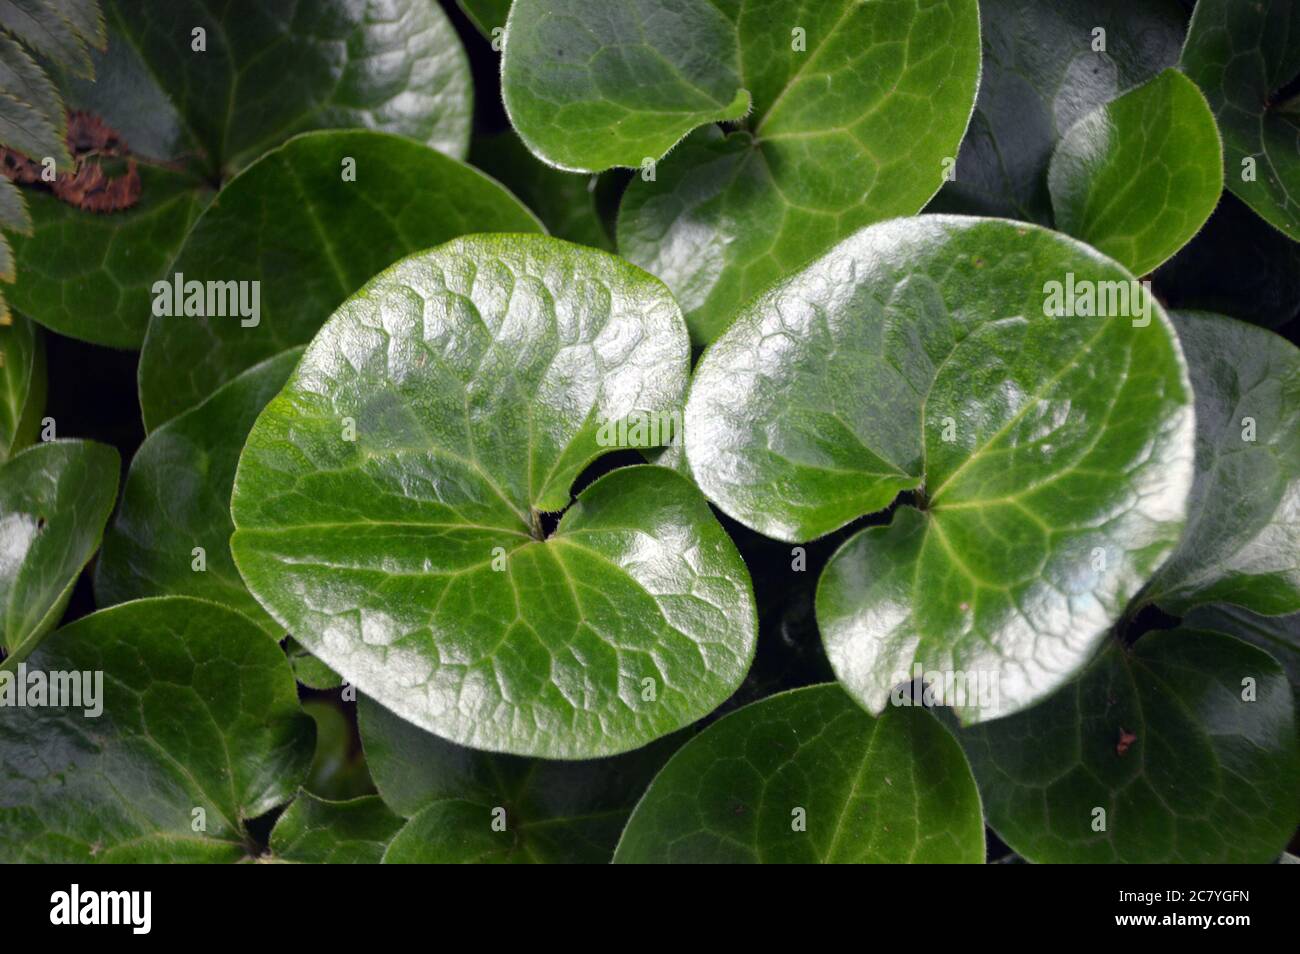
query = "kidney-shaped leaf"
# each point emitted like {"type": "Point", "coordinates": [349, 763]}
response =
{"type": "Point", "coordinates": [465, 805]}
{"type": "Point", "coordinates": [195, 90]}
{"type": "Point", "coordinates": [1138, 177]}
{"type": "Point", "coordinates": [171, 535]}
{"type": "Point", "coordinates": [1051, 456]}
{"type": "Point", "coordinates": [1045, 67]}
{"type": "Point", "coordinates": [1245, 57]}
{"type": "Point", "coordinates": [308, 223]}
{"type": "Point", "coordinates": [807, 776]}
{"type": "Point", "coordinates": [855, 107]}
{"type": "Point", "coordinates": [54, 501]}
{"type": "Point", "coordinates": [1242, 543]}
{"type": "Point", "coordinates": [388, 505]}
{"type": "Point", "coordinates": [184, 725]}
{"type": "Point", "coordinates": [1182, 750]}
{"type": "Point", "coordinates": [22, 384]}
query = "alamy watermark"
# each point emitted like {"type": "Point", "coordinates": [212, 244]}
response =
{"type": "Point", "coordinates": [1085, 298]}
{"type": "Point", "coordinates": [24, 688]}
{"type": "Point", "coordinates": [640, 429]}
{"type": "Point", "coordinates": [974, 689]}
{"type": "Point", "coordinates": [211, 299]}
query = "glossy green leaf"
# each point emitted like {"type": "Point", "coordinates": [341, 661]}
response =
{"type": "Point", "coordinates": [486, 15]}
{"type": "Point", "coordinates": [316, 831]}
{"type": "Point", "coordinates": [565, 202]}
{"type": "Point", "coordinates": [1186, 743]}
{"type": "Point", "coordinates": [547, 812]}
{"type": "Point", "coordinates": [22, 384]}
{"type": "Point", "coordinates": [387, 505]}
{"type": "Point", "coordinates": [1050, 457]}
{"type": "Point", "coordinates": [1042, 73]}
{"type": "Point", "coordinates": [1245, 58]}
{"type": "Point", "coordinates": [808, 777]}
{"type": "Point", "coordinates": [1242, 543]}
{"type": "Point", "coordinates": [309, 670]}
{"type": "Point", "coordinates": [310, 236]}
{"type": "Point", "coordinates": [200, 731]}
{"type": "Point", "coordinates": [54, 501]}
{"type": "Point", "coordinates": [171, 535]}
{"type": "Point", "coordinates": [193, 118]}
{"type": "Point", "coordinates": [854, 130]}
{"type": "Point", "coordinates": [1138, 177]}
{"type": "Point", "coordinates": [1279, 636]}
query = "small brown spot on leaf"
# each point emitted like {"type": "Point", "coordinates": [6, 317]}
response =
{"type": "Point", "coordinates": [1126, 738]}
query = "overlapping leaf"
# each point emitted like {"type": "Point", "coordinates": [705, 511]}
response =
{"type": "Point", "coordinates": [22, 384]}
{"type": "Point", "coordinates": [263, 74]}
{"type": "Point", "coordinates": [544, 811]}
{"type": "Point", "coordinates": [1050, 456]}
{"type": "Point", "coordinates": [309, 236]}
{"type": "Point", "coordinates": [54, 501]}
{"type": "Point", "coordinates": [849, 111]}
{"type": "Point", "coordinates": [199, 730]}
{"type": "Point", "coordinates": [171, 535]}
{"type": "Point", "coordinates": [388, 505]}
{"type": "Point", "coordinates": [316, 831]}
{"type": "Point", "coordinates": [808, 777]}
{"type": "Point", "coordinates": [1242, 543]}
{"type": "Point", "coordinates": [1138, 177]}
{"type": "Point", "coordinates": [1245, 58]}
{"type": "Point", "coordinates": [1182, 750]}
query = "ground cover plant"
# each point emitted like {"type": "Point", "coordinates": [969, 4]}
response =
{"type": "Point", "coordinates": [649, 431]}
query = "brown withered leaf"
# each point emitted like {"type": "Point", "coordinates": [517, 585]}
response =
{"type": "Point", "coordinates": [87, 186]}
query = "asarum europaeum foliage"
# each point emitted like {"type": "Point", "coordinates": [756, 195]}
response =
{"type": "Point", "coordinates": [759, 430]}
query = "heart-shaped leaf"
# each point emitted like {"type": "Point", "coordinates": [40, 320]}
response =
{"type": "Point", "coordinates": [22, 384]}
{"type": "Point", "coordinates": [54, 501]}
{"type": "Point", "coordinates": [315, 831]}
{"type": "Point", "coordinates": [566, 203]}
{"type": "Point", "coordinates": [1138, 177]}
{"type": "Point", "coordinates": [807, 776]}
{"type": "Point", "coordinates": [1182, 750]}
{"type": "Point", "coordinates": [548, 812]}
{"type": "Point", "coordinates": [855, 107]}
{"type": "Point", "coordinates": [171, 535]}
{"type": "Point", "coordinates": [237, 83]}
{"type": "Point", "coordinates": [297, 224]}
{"type": "Point", "coordinates": [186, 726]}
{"type": "Point", "coordinates": [1245, 58]}
{"type": "Point", "coordinates": [1242, 543]}
{"type": "Point", "coordinates": [388, 504]}
{"type": "Point", "coordinates": [1051, 456]}
{"type": "Point", "coordinates": [1045, 67]}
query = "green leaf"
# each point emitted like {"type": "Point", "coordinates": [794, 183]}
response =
{"type": "Point", "coordinates": [200, 731]}
{"type": "Point", "coordinates": [316, 831]}
{"type": "Point", "coordinates": [1050, 457]}
{"type": "Point", "coordinates": [486, 15]}
{"type": "Point", "coordinates": [552, 812]}
{"type": "Point", "coordinates": [1042, 73]}
{"type": "Point", "coordinates": [1243, 56]}
{"type": "Point", "coordinates": [1279, 636]}
{"type": "Point", "coordinates": [1187, 743]}
{"type": "Point", "coordinates": [1138, 177]}
{"type": "Point", "coordinates": [54, 501]}
{"type": "Point", "coordinates": [566, 203]}
{"type": "Point", "coordinates": [294, 223]}
{"type": "Point", "coordinates": [593, 84]}
{"type": "Point", "coordinates": [853, 131]}
{"type": "Point", "coordinates": [338, 769]}
{"type": "Point", "coordinates": [808, 777]}
{"type": "Point", "coordinates": [309, 670]}
{"type": "Point", "coordinates": [176, 501]}
{"type": "Point", "coordinates": [387, 504]}
{"type": "Point", "coordinates": [22, 384]}
{"type": "Point", "coordinates": [1242, 543]}
{"type": "Point", "coordinates": [266, 74]}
